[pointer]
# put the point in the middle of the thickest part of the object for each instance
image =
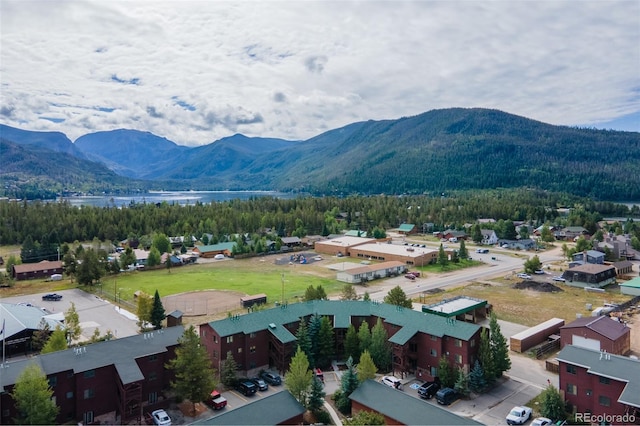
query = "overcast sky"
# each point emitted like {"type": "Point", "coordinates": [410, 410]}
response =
{"type": "Point", "coordinates": [197, 71]}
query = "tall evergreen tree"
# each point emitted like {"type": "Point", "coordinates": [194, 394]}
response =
{"type": "Point", "coordinates": [57, 342]}
{"type": "Point", "coordinates": [485, 356]}
{"type": "Point", "coordinates": [315, 402]}
{"type": "Point", "coordinates": [499, 347]}
{"type": "Point", "coordinates": [41, 335]}
{"type": "Point", "coordinates": [366, 367]}
{"type": "Point", "coordinates": [364, 336]}
{"type": "Point", "coordinates": [313, 330]}
{"type": "Point", "coordinates": [299, 377]}
{"type": "Point", "coordinates": [446, 373]}
{"type": "Point", "coordinates": [33, 398]}
{"type": "Point", "coordinates": [157, 312]}
{"type": "Point", "coordinates": [397, 296]}
{"type": "Point", "coordinates": [462, 382]}
{"type": "Point", "coordinates": [476, 234]}
{"type": "Point", "coordinates": [380, 348]}
{"type": "Point", "coordinates": [462, 252]}
{"type": "Point", "coordinates": [349, 292]}
{"type": "Point", "coordinates": [352, 344]}
{"type": "Point", "coordinates": [477, 381]}
{"type": "Point", "coordinates": [229, 371]}
{"type": "Point", "coordinates": [326, 344]}
{"type": "Point", "coordinates": [552, 404]}
{"type": "Point", "coordinates": [348, 384]}
{"type": "Point", "coordinates": [194, 375]}
{"type": "Point", "coordinates": [443, 260]}
{"type": "Point", "coordinates": [304, 341]}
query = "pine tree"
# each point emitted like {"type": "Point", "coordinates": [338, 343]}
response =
{"type": "Point", "coordinates": [477, 382]}
{"type": "Point", "coordinates": [33, 398]}
{"type": "Point", "coordinates": [315, 401]}
{"type": "Point", "coordinates": [349, 292]}
{"type": "Point", "coordinates": [462, 383]}
{"type": "Point", "coordinates": [194, 376]}
{"type": "Point", "coordinates": [313, 330]}
{"type": "Point", "coordinates": [485, 356]}
{"type": "Point", "coordinates": [352, 344]}
{"type": "Point", "coordinates": [366, 368]}
{"type": "Point", "coordinates": [476, 233]}
{"type": "Point", "coordinates": [499, 347]}
{"type": "Point", "coordinates": [304, 341]}
{"type": "Point", "coordinates": [229, 371]}
{"type": "Point", "coordinates": [443, 260]}
{"type": "Point", "coordinates": [366, 297]}
{"type": "Point", "coordinates": [446, 373]}
{"type": "Point", "coordinates": [72, 323]}
{"type": "Point", "coordinates": [462, 252]}
{"type": "Point", "coordinates": [41, 335]}
{"type": "Point", "coordinates": [398, 297]}
{"type": "Point", "coordinates": [348, 384]}
{"type": "Point", "coordinates": [380, 348]}
{"type": "Point", "coordinates": [57, 341]}
{"type": "Point", "coordinates": [157, 312]}
{"type": "Point", "coordinates": [326, 344]}
{"type": "Point", "coordinates": [299, 377]}
{"type": "Point", "coordinates": [364, 336]}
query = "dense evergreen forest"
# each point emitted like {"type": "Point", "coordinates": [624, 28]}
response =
{"type": "Point", "coordinates": [52, 224]}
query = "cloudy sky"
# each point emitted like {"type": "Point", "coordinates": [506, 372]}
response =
{"type": "Point", "coordinates": [197, 71]}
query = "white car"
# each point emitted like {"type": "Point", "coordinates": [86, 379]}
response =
{"type": "Point", "coordinates": [219, 256]}
{"type": "Point", "coordinates": [161, 418]}
{"type": "Point", "coordinates": [518, 415]}
{"type": "Point", "coordinates": [559, 278]}
{"type": "Point", "coordinates": [524, 276]}
{"type": "Point", "coordinates": [391, 381]}
{"type": "Point", "coordinates": [541, 421]}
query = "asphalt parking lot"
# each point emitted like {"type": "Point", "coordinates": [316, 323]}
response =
{"type": "Point", "coordinates": [93, 312]}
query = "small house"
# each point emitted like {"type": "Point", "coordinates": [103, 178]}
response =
{"type": "Point", "coordinates": [599, 333]}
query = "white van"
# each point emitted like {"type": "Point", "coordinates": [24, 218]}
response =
{"type": "Point", "coordinates": [453, 240]}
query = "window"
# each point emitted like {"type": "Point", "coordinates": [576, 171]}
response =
{"type": "Point", "coordinates": [434, 352]}
{"type": "Point", "coordinates": [53, 381]}
{"type": "Point", "coordinates": [153, 397]}
{"type": "Point", "coordinates": [203, 333]}
{"type": "Point", "coordinates": [433, 371]}
{"type": "Point", "coordinates": [588, 392]}
{"type": "Point", "coordinates": [239, 350]}
{"type": "Point", "coordinates": [153, 357]}
{"type": "Point", "coordinates": [69, 395]}
{"type": "Point", "coordinates": [413, 347]}
{"type": "Point", "coordinates": [434, 337]}
{"type": "Point", "coordinates": [571, 369]}
{"type": "Point", "coordinates": [252, 335]}
{"type": "Point", "coordinates": [88, 417]}
{"type": "Point", "coordinates": [89, 393]}
{"type": "Point", "coordinates": [229, 339]}
{"type": "Point", "coordinates": [605, 380]}
{"type": "Point", "coordinates": [458, 343]}
{"type": "Point", "coordinates": [604, 401]}
{"type": "Point", "coordinates": [89, 374]}
{"type": "Point", "coordinates": [215, 339]}
{"type": "Point", "coordinates": [572, 389]}
{"type": "Point", "coordinates": [473, 343]}
{"type": "Point", "coordinates": [252, 349]}
{"type": "Point", "coordinates": [6, 413]}
{"type": "Point", "coordinates": [153, 375]}
{"type": "Point", "coordinates": [458, 358]}
{"type": "Point", "coordinates": [69, 374]}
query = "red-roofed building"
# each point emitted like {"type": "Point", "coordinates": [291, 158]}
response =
{"type": "Point", "coordinates": [598, 333]}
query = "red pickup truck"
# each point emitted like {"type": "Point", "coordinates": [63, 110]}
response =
{"type": "Point", "coordinates": [216, 400]}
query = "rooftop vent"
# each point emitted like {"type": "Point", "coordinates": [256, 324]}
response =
{"type": "Point", "coordinates": [272, 326]}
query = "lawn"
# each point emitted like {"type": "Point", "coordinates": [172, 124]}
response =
{"type": "Point", "coordinates": [250, 276]}
{"type": "Point", "coordinates": [529, 307]}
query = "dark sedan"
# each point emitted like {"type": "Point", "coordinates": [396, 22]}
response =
{"type": "Point", "coordinates": [52, 296]}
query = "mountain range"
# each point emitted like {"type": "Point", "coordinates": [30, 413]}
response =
{"type": "Point", "coordinates": [437, 151]}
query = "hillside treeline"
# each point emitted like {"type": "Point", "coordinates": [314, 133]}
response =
{"type": "Point", "coordinates": [60, 222]}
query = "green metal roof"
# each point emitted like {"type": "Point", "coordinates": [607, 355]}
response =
{"type": "Point", "coordinates": [404, 408]}
{"type": "Point", "coordinates": [356, 233]}
{"type": "Point", "coordinates": [406, 227]}
{"type": "Point", "coordinates": [615, 367]}
{"type": "Point", "coordinates": [342, 311]}
{"type": "Point", "coordinates": [216, 247]}
{"type": "Point", "coordinates": [271, 410]}
{"type": "Point", "coordinates": [634, 283]}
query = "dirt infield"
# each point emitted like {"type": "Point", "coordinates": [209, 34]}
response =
{"type": "Point", "coordinates": [201, 303]}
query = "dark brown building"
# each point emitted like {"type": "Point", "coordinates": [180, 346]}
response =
{"type": "Point", "coordinates": [115, 382]}
{"type": "Point", "coordinates": [266, 339]}
{"type": "Point", "coordinates": [599, 333]}
{"type": "Point", "coordinates": [44, 269]}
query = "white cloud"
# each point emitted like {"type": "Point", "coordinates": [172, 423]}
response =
{"type": "Point", "coordinates": [194, 71]}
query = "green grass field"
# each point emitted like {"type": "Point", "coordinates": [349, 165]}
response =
{"type": "Point", "coordinates": [244, 276]}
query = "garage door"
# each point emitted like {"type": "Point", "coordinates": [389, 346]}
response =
{"type": "Point", "coordinates": [583, 342]}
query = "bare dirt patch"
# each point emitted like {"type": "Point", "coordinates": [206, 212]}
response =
{"type": "Point", "coordinates": [203, 303]}
{"type": "Point", "coordinates": [543, 287]}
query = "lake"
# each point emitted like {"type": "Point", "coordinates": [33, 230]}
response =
{"type": "Point", "coordinates": [171, 197]}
